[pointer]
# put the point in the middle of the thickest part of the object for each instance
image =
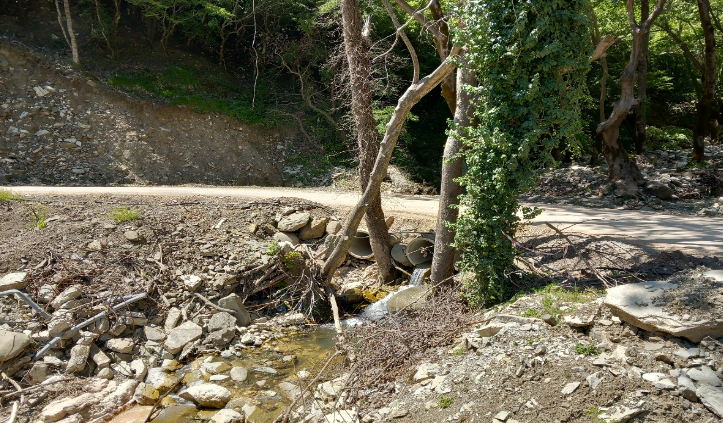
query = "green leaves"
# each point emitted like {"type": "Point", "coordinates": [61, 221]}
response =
{"type": "Point", "coordinates": [530, 59]}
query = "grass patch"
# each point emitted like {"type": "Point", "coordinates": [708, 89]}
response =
{"type": "Point", "coordinates": [587, 349]}
{"type": "Point", "coordinates": [445, 402]}
{"type": "Point", "coordinates": [38, 217]}
{"type": "Point", "coordinates": [124, 214]}
{"type": "Point", "coordinates": [7, 196]}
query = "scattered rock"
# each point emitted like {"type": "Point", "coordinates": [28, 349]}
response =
{"type": "Point", "coordinates": [704, 375]}
{"type": "Point", "coordinates": [12, 344]}
{"type": "Point", "coordinates": [712, 398]}
{"type": "Point", "coordinates": [227, 416]}
{"type": "Point", "coordinates": [239, 374]}
{"type": "Point", "coordinates": [620, 414]}
{"type": "Point", "coordinates": [659, 189]}
{"type": "Point", "coordinates": [289, 237]}
{"type": "Point", "coordinates": [64, 297]}
{"type": "Point", "coordinates": [191, 282]}
{"type": "Point", "coordinates": [17, 280]}
{"type": "Point", "coordinates": [78, 358]}
{"type": "Point", "coordinates": [570, 388]}
{"type": "Point", "coordinates": [120, 345]}
{"type": "Point", "coordinates": [182, 335]}
{"type": "Point", "coordinates": [314, 229]}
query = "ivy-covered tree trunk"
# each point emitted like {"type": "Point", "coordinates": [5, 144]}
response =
{"type": "Point", "coordinates": [705, 103]}
{"type": "Point", "coordinates": [620, 165]}
{"type": "Point", "coordinates": [452, 168]}
{"type": "Point", "coordinates": [356, 47]}
{"type": "Point", "coordinates": [641, 136]}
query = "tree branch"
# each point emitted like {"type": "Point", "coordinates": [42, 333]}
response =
{"type": "Point", "coordinates": [403, 35]}
{"type": "Point", "coordinates": [416, 14]}
{"type": "Point", "coordinates": [683, 46]}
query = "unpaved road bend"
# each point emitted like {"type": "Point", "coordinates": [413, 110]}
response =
{"type": "Point", "coordinates": [691, 234]}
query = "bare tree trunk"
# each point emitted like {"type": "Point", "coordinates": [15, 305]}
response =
{"type": "Point", "coordinates": [622, 167]}
{"type": "Point", "coordinates": [705, 103]}
{"type": "Point", "coordinates": [60, 22]}
{"type": "Point", "coordinates": [598, 143]}
{"type": "Point", "coordinates": [452, 167]}
{"type": "Point", "coordinates": [410, 97]}
{"type": "Point", "coordinates": [641, 136]}
{"type": "Point", "coordinates": [71, 34]}
{"type": "Point", "coordinates": [360, 70]}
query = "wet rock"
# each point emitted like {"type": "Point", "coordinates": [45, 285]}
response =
{"type": "Point", "coordinates": [289, 390]}
{"type": "Point", "coordinates": [712, 398]}
{"type": "Point", "coordinates": [176, 413]}
{"type": "Point", "coordinates": [182, 335]}
{"type": "Point", "coordinates": [12, 344]}
{"type": "Point", "coordinates": [64, 297]}
{"type": "Point", "coordinates": [161, 380]}
{"type": "Point", "coordinates": [314, 229]}
{"type": "Point", "coordinates": [235, 303]}
{"type": "Point", "coordinates": [17, 280]}
{"type": "Point", "coordinates": [267, 370]}
{"type": "Point", "coordinates": [642, 305]}
{"type": "Point", "coordinates": [239, 374]}
{"type": "Point", "coordinates": [137, 414]}
{"type": "Point", "coordinates": [227, 416]}
{"type": "Point", "coordinates": [146, 394]}
{"type": "Point", "coordinates": [214, 368]}
{"type": "Point", "coordinates": [207, 395]}
{"type": "Point", "coordinates": [658, 189]}
{"type": "Point", "coordinates": [293, 222]}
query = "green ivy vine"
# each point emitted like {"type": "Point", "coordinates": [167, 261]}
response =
{"type": "Point", "coordinates": [530, 58]}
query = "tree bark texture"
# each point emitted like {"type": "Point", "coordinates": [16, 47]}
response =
{"type": "Point", "coordinates": [452, 167]}
{"type": "Point", "coordinates": [411, 96]}
{"type": "Point", "coordinates": [596, 39]}
{"type": "Point", "coordinates": [356, 47]}
{"type": "Point", "coordinates": [641, 136]}
{"type": "Point", "coordinates": [71, 34]}
{"type": "Point", "coordinates": [622, 167]}
{"type": "Point", "coordinates": [705, 103]}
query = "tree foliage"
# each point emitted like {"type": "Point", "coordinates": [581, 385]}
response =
{"type": "Point", "coordinates": [531, 59]}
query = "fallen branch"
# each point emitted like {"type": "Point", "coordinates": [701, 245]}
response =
{"type": "Point", "coordinates": [212, 305]}
{"type": "Point", "coordinates": [592, 268]}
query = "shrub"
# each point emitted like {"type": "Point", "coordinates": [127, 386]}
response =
{"type": "Point", "coordinates": [124, 214]}
{"type": "Point", "coordinates": [669, 138]}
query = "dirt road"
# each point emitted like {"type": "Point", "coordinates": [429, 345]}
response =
{"type": "Point", "coordinates": [696, 235]}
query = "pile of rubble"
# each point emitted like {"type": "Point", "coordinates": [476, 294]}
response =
{"type": "Point", "coordinates": [648, 350]}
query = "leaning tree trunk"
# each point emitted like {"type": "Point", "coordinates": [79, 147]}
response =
{"type": "Point", "coordinates": [641, 136]}
{"type": "Point", "coordinates": [622, 167]}
{"type": "Point", "coordinates": [452, 167]}
{"type": "Point", "coordinates": [596, 39]}
{"type": "Point", "coordinates": [411, 96]}
{"type": "Point", "coordinates": [705, 103]}
{"type": "Point", "coordinates": [360, 70]}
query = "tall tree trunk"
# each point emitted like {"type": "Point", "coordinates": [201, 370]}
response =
{"type": "Point", "coordinates": [357, 53]}
{"type": "Point", "coordinates": [641, 136]}
{"type": "Point", "coordinates": [705, 103]}
{"type": "Point", "coordinates": [410, 97]}
{"type": "Point", "coordinates": [452, 167]}
{"type": "Point", "coordinates": [71, 33]}
{"type": "Point", "coordinates": [598, 143]}
{"type": "Point", "coordinates": [622, 167]}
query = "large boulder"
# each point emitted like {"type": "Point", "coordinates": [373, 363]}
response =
{"type": "Point", "coordinates": [182, 335]}
{"type": "Point", "coordinates": [660, 306]}
{"type": "Point", "coordinates": [314, 229]}
{"type": "Point", "coordinates": [235, 303]}
{"type": "Point", "coordinates": [207, 395]}
{"type": "Point", "coordinates": [411, 298]}
{"type": "Point", "coordinates": [293, 222]}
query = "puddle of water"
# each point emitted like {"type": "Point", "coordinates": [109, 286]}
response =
{"type": "Point", "coordinates": [260, 389]}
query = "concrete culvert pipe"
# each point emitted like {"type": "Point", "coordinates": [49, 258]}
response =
{"type": "Point", "coordinates": [361, 248]}
{"type": "Point", "coordinates": [399, 254]}
{"type": "Point", "coordinates": [420, 250]}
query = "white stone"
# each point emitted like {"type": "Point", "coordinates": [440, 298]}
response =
{"type": "Point", "coordinates": [570, 388]}
{"type": "Point", "coordinates": [238, 374]}
{"type": "Point", "coordinates": [17, 280]}
{"type": "Point", "coordinates": [704, 375]}
{"type": "Point", "coordinates": [120, 345]}
{"type": "Point", "coordinates": [712, 398]}
{"type": "Point", "coordinates": [293, 222]}
{"type": "Point", "coordinates": [207, 395]}
{"type": "Point", "coordinates": [12, 344]}
{"type": "Point", "coordinates": [227, 416]}
{"type": "Point", "coordinates": [191, 282]}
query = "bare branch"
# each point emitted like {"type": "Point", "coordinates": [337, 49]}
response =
{"type": "Point", "coordinates": [683, 46]}
{"type": "Point", "coordinates": [416, 14]}
{"type": "Point", "coordinates": [602, 47]}
{"type": "Point", "coordinates": [403, 35]}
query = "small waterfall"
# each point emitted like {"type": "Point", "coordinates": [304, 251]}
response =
{"type": "Point", "coordinates": [418, 276]}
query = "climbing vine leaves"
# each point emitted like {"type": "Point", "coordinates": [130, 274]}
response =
{"type": "Point", "coordinates": [530, 58]}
